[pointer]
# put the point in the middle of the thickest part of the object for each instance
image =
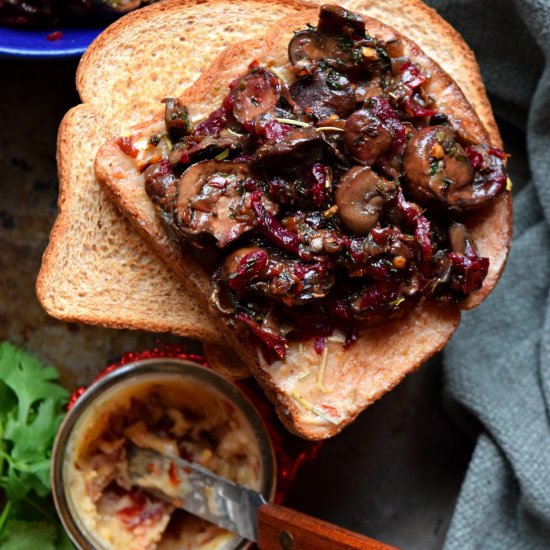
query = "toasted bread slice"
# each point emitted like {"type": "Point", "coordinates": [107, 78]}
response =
{"type": "Point", "coordinates": [317, 396]}
{"type": "Point", "coordinates": [96, 269]}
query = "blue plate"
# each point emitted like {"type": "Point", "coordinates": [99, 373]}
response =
{"type": "Point", "coordinates": [31, 43]}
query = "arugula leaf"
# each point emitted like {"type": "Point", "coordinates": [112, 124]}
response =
{"type": "Point", "coordinates": [31, 408]}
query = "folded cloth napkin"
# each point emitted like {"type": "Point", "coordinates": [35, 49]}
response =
{"type": "Point", "coordinates": [498, 364]}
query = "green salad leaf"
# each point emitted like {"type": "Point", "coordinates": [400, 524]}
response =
{"type": "Point", "coordinates": [32, 405]}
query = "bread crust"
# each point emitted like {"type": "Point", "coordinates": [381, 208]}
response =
{"type": "Point", "coordinates": [381, 357]}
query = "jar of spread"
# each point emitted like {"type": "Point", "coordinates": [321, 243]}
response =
{"type": "Point", "coordinates": [177, 408]}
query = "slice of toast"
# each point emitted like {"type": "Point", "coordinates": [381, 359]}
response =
{"type": "Point", "coordinates": [96, 269]}
{"type": "Point", "coordinates": [317, 396]}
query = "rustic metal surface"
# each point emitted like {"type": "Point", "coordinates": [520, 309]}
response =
{"type": "Point", "coordinates": [394, 474]}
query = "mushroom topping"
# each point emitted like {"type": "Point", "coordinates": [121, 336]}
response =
{"type": "Point", "coordinates": [360, 197]}
{"type": "Point", "coordinates": [324, 93]}
{"type": "Point", "coordinates": [366, 137]}
{"type": "Point", "coordinates": [194, 147]}
{"type": "Point", "coordinates": [437, 167]}
{"type": "Point", "coordinates": [300, 147]}
{"type": "Point", "coordinates": [254, 94]}
{"type": "Point", "coordinates": [212, 199]}
{"type": "Point", "coordinates": [305, 46]}
{"type": "Point", "coordinates": [176, 117]}
{"type": "Point", "coordinates": [161, 185]}
{"type": "Point", "coordinates": [334, 19]}
{"type": "Point", "coordinates": [459, 237]}
{"type": "Point", "coordinates": [252, 270]}
{"type": "Point", "coordinates": [332, 41]}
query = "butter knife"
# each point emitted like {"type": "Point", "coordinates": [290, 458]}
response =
{"type": "Point", "coordinates": [236, 508]}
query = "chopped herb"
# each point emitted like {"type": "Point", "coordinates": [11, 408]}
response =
{"type": "Point", "coordinates": [345, 43]}
{"type": "Point", "coordinates": [223, 155]}
{"type": "Point", "coordinates": [396, 302]}
{"type": "Point", "coordinates": [334, 80]}
{"type": "Point", "coordinates": [434, 167]}
{"type": "Point", "coordinates": [293, 122]}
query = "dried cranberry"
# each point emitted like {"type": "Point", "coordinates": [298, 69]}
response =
{"type": "Point", "coordinates": [250, 266]}
{"type": "Point", "coordinates": [319, 176]}
{"type": "Point", "coordinates": [272, 228]}
{"type": "Point", "coordinates": [411, 75]}
{"type": "Point", "coordinates": [274, 342]}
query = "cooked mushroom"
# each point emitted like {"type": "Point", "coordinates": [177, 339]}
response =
{"type": "Point", "coordinates": [459, 237]}
{"type": "Point", "coordinates": [360, 197]}
{"type": "Point", "coordinates": [194, 147]}
{"type": "Point", "coordinates": [300, 147]}
{"type": "Point", "coordinates": [366, 137]}
{"type": "Point", "coordinates": [334, 19]}
{"type": "Point", "coordinates": [305, 46]}
{"type": "Point", "coordinates": [211, 200]}
{"type": "Point", "coordinates": [176, 117]}
{"type": "Point", "coordinates": [161, 185]}
{"type": "Point", "coordinates": [436, 167]}
{"type": "Point", "coordinates": [324, 93]}
{"type": "Point", "coordinates": [254, 94]}
{"type": "Point", "coordinates": [334, 41]}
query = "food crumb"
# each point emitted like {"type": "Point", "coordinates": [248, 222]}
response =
{"type": "Point", "coordinates": [54, 36]}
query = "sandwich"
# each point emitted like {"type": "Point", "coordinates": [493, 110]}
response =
{"type": "Point", "coordinates": [326, 194]}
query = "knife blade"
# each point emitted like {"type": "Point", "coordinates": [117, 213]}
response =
{"type": "Point", "coordinates": [196, 489]}
{"type": "Point", "coordinates": [236, 508]}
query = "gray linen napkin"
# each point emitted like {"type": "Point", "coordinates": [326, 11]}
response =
{"type": "Point", "coordinates": [498, 364]}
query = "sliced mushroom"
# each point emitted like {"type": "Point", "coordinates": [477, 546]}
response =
{"type": "Point", "coordinates": [161, 184]}
{"type": "Point", "coordinates": [194, 147]}
{"type": "Point", "coordinates": [334, 19]}
{"type": "Point", "coordinates": [305, 46]}
{"type": "Point", "coordinates": [436, 167]}
{"type": "Point", "coordinates": [300, 147]}
{"type": "Point", "coordinates": [211, 200]}
{"type": "Point", "coordinates": [337, 41]}
{"type": "Point", "coordinates": [360, 197]}
{"type": "Point", "coordinates": [324, 93]}
{"type": "Point", "coordinates": [366, 137]}
{"type": "Point", "coordinates": [459, 237]}
{"type": "Point", "coordinates": [231, 263]}
{"type": "Point", "coordinates": [254, 94]}
{"type": "Point", "coordinates": [176, 117]}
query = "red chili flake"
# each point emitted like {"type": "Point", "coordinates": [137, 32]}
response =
{"type": "Point", "coordinates": [173, 474]}
{"type": "Point", "coordinates": [330, 410]}
{"type": "Point", "coordinates": [126, 145]}
{"type": "Point", "coordinates": [54, 36]}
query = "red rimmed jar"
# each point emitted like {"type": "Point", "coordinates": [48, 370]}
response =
{"type": "Point", "coordinates": [92, 494]}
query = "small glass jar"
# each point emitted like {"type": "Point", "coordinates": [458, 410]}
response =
{"type": "Point", "coordinates": [86, 414]}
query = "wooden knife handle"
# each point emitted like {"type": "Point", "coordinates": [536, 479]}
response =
{"type": "Point", "coordinates": [283, 529]}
